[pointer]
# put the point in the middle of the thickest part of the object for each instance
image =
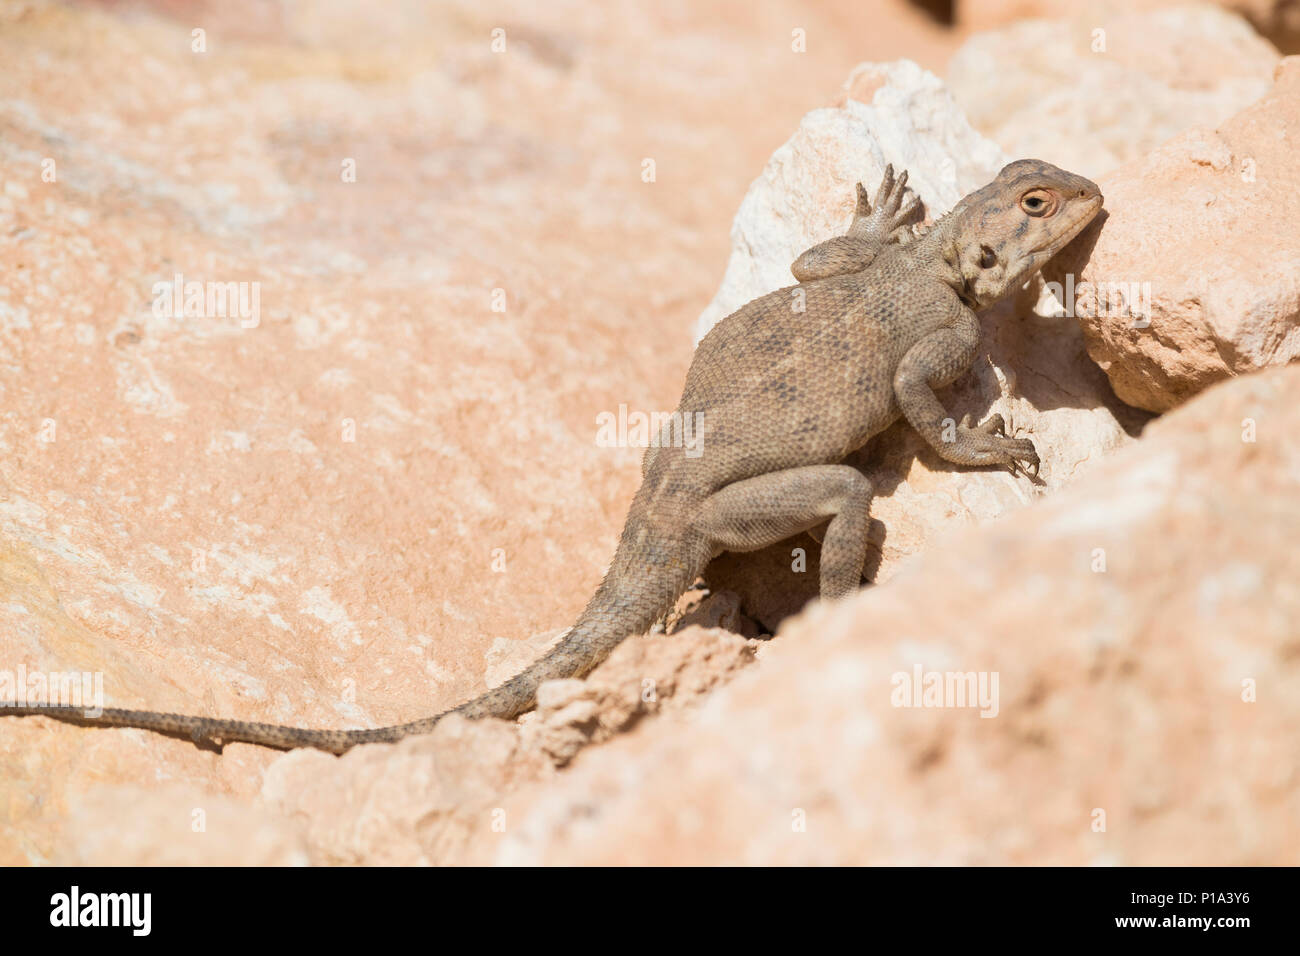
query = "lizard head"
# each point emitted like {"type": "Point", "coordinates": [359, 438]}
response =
{"type": "Point", "coordinates": [1002, 233]}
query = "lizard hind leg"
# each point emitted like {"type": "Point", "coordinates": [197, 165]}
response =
{"type": "Point", "coordinates": [756, 512]}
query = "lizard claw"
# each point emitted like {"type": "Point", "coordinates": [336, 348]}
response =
{"type": "Point", "coordinates": [988, 444]}
{"type": "Point", "coordinates": [1024, 458]}
{"type": "Point", "coordinates": [863, 209]}
{"type": "Point", "coordinates": [886, 187]}
{"type": "Point", "coordinates": [1030, 472]}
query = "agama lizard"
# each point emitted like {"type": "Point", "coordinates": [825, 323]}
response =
{"type": "Point", "coordinates": [787, 386]}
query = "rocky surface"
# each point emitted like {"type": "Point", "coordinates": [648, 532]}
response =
{"type": "Point", "coordinates": [445, 797]}
{"type": "Point", "coordinates": [1195, 275]}
{"type": "Point", "coordinates": [1276, 20]}
{"type": "Point", "coordinates": [1091, 91]}
{"type": "Point", "coordinates": [177, 824]}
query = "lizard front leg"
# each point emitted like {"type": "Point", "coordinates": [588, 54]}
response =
{"type": "Point", "coordinates": [871, 230]}
{"type": "Point", "coordinates": [933, 362]}
{"type": "Point", "coordinates": [752, 513]}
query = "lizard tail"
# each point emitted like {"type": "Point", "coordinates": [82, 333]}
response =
{"type": "Point", "coordinates": [647, 576]}
{"type": "Point", "coordinates": [636, 592]}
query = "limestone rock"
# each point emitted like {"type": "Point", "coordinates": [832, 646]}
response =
{"type": "Point", "coordinates": [1141, 626]}
{"type": "Point", "coordinates": [640, 678]}
{"type": "Point", "coordinates": [420, 801]}
{"type": "Point", "coordinates": [174, 825]}
{"type": "Point", "coordinates": [989, 14]}
{"type": "Point", "coordinates": [1093, 91]}
{"type": "Point", "coordinates": [1277, 20]}
{"type": "Point", "coordinates": [447, 797]}
{"type": "Point", "coordinates": [1194, 276]}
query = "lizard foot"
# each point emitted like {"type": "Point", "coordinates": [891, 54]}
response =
{"type": "Point", "coordinates": [986, 445]}
{"type": "Point", "coordinates": [894, 207]}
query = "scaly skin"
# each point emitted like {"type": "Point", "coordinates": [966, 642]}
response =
{"type": "Point", "coordinates": [787, 386]}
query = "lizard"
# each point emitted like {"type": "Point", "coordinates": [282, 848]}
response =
{"type": "Point", "coordinates": [786, 386]}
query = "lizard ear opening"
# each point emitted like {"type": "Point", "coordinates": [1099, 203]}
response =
{"type": "Point", "coordinates": [988, 258]}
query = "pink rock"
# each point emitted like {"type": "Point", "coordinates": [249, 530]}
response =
{"type": "Point", "coordinates": [1198, 260]}
{"type": "Point", "coordinates": [1101, 86]}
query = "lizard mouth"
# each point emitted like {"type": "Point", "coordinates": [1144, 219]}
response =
{"type": "Point", "coordinates": [1083, 215]}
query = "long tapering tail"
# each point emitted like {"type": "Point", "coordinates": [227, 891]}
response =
{"type": "Point", "coordinates": [647, 576]}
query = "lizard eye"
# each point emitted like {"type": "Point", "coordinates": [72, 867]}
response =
{"type": "Point", "coordinates": [1039, 202]}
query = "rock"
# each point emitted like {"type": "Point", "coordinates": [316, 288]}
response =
{"type": "Point", "coordinates": [175, 825]}
{"type": "Point", "coordinates": [1034, 371]}
{"type": "Point", "coordinates": [1088, 101]}
{"type": "Point", "coordinates": [1198, 260]}
{"type": "Point", "coordinates": [990, 14]}
{"type": "Point", "coordinates": [1278, 20]}
{"type": "Point", "coordinates": [1141, 626]}
{"type": "Point", "coordinates": [640, 678]}
{"type": "Point", "coordinates": [448, 796]}
{"type": "Point", "coordinates": [418, 802]}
